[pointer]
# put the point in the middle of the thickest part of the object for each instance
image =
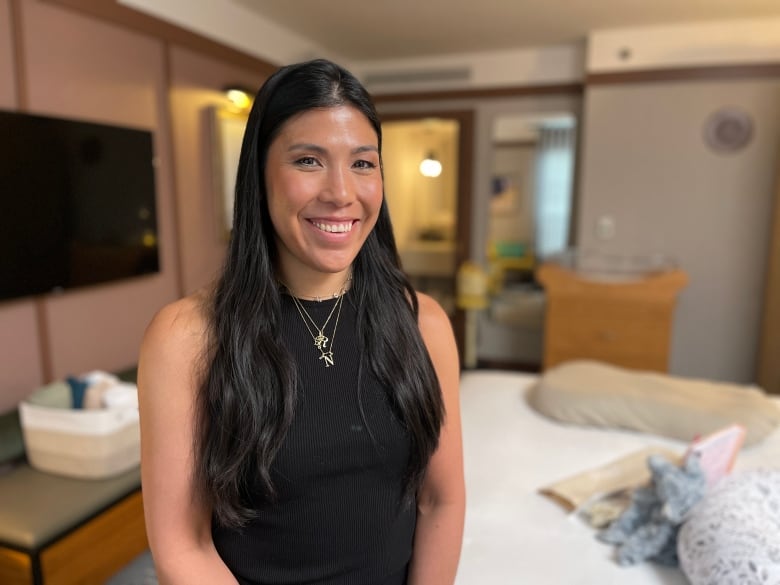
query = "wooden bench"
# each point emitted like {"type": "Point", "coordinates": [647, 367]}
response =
{"type": "Point", "coordinates": [58, 530]}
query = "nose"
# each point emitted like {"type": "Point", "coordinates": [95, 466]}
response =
{"type": "Point", "coordinates": [339, 187]}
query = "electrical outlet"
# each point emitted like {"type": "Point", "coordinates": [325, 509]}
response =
{"type": "Point", "coordinates": [605, 227]}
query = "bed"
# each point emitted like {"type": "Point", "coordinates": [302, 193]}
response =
{"type": "Point", "coordinates": [515, 535]}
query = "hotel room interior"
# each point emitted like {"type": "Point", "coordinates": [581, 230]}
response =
{"type": "Point", "coordinates": [607, 189]}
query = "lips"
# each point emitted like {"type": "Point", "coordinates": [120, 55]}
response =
{"type": "Point", "coordinates": [333, 227]}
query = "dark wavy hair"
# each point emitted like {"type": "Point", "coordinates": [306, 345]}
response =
{"type": "Point", "coordinates": [247, 398]}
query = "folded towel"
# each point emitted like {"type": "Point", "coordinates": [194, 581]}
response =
{"type": "Point", "coordinates": [121, 395]}
{"type": "Point", "coordinates": [77, 387]}
{"type": "Point", "coordinates": [627, 472]}
{"type": "Point", "coordinates": [54, 395]}
{"type": "Point", "coordinates": [93, 397]}
{"type": "Point", "coordinates": [97, 376]}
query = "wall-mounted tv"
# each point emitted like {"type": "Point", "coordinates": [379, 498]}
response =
{"type": "Point", "coordinates": [77, 204]}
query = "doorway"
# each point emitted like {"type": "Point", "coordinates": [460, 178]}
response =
{"type": "Point", "coordinates": [431, 211]}
{"type": "Point", "coordinates": [530, 219]}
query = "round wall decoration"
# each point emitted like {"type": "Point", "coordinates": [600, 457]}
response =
{"type": "Point", "coordinates": [728, 130]}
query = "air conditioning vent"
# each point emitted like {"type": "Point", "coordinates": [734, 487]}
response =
{"type": "Point", "coordinates": [417, 76]}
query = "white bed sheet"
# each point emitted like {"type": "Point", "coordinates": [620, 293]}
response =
{"type": "Point", "coordinates": [513, 534]}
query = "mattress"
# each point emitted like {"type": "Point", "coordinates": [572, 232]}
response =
{"type": "Point", "coordinates": [513, 534]}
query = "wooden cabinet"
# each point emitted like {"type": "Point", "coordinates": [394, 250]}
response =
{"type": "Point", "coordinates": [625, 322]}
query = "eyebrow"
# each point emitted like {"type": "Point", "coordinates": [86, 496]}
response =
{"type": "Point", "coordinates": [321, 150]}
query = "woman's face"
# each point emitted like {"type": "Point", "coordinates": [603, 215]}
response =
{"type": "Point", "coordinates": [324, 190]}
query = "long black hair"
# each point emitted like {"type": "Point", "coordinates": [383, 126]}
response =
{"type": "Point", "coordinates": [246, 402]}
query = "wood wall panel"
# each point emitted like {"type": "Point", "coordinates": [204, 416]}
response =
{"type": "Point", "coordinates": [82, 68]}
{"type": "Point", "coordinates": [114, 11]}
{"type": "Point", "coordinates": [769, 364]}
{"type": "Point", "coordinates": [7, 69]}
{"type": "Point", "coordinates": [20, 364]}
{"type": "Point", "coordinates": [69, 59]}
{"type": "Point", "coordinates": [20, 359]}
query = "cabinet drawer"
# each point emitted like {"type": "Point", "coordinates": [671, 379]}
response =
{"type": "Point", "coordinates": [624, 333]}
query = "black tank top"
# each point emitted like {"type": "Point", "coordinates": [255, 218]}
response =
{"type": "Point", "coordinates": [339, 517]}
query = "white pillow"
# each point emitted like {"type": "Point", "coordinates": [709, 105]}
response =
{"type": "Point", "coordinates": [593, 393]}
{"type": "Point", "coordinates": [732, 536]}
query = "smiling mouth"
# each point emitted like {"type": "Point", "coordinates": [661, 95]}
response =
{"type": "Point", "coordinates": [333, 227]}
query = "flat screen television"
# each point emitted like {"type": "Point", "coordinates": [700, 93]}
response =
{"type": "Point", "coordinates": [77, 204]}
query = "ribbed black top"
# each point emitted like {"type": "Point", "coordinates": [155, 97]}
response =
{"type": "Point", "coordinates": [339, 517]}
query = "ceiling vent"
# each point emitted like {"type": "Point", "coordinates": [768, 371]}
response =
{"type": "Point", "coordinates": [417, 76]}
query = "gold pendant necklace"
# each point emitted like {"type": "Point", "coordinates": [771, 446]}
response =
{"type": "Point", "coordinates": [317, 333]}
{"type": "Point", "coordinates": [320, 339]}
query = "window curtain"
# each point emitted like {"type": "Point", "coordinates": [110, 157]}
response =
{"type": "Point", "coordinates": [553, 190]}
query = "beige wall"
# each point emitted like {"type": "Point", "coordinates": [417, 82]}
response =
{"type": "Point", "coordinates": [646, 166]}
{"type": "Point", "coordinates": [196, 82]}
{"type": "Point", "coordinates": [76, 66]}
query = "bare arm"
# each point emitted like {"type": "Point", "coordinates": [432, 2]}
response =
{"type": "Point", "coordinates": [177, 526]}
{"type": "Point", "coordinates": [442, 498]}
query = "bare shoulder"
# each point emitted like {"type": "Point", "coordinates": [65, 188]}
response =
{"type": "Point", "coordinates": [437, 333]}
{"type": "Point", "coordinates": [432, 316]}
{"type": "Point", "coordinates": [179, 323]}
{"type": "Point", "coordinates": [175, 339]}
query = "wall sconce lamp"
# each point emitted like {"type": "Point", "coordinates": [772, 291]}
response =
{"type": "Point", "coordinates": [239, 96]}
{"type": "Point", "coordinates": [430, 166]}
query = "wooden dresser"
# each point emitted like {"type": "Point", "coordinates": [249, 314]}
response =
{"type": "Point", "coordinates": [624, 322]}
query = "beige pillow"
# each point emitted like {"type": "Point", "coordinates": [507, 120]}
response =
{"type": "Point", "coordinates": [597, 394]}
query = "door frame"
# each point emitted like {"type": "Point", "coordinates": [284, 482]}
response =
{"type": "Point", "coordinates": [464, 202]}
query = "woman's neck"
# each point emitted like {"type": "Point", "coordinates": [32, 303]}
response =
{"type": "Point", "coordinates": [317, 287]}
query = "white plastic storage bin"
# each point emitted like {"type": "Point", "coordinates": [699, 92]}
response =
{"type": "Point", "coordinates": [81, 443]}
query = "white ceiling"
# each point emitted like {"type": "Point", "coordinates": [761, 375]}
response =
{"type": "Point", "coordinates": [362, 30]}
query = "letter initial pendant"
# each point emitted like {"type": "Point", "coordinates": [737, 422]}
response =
{"type": "Point", "coordinates": [322, 342]}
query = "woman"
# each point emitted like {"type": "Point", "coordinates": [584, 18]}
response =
{"type": "Point", "coordinates": [300, 422]}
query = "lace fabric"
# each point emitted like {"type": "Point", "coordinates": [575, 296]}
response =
{"type": "Point", "coordinates": [732, 536]}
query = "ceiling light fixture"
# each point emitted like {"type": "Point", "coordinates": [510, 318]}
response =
{"type": "Point", "coordinates": [239, 96]}
{"type": "Point", "coordinates": [430, 166]}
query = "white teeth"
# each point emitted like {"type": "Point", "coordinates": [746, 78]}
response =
{"type": "Point", "coordinates": [334, 227]}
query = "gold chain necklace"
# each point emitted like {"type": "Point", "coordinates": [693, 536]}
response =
{"type": "Point", "coordinates": [318, 333]}
{"type": "Point", "coordinates": [320, 339]}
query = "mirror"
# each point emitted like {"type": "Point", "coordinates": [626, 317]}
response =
{"type": "Point", "coordinates": [532, 170]}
